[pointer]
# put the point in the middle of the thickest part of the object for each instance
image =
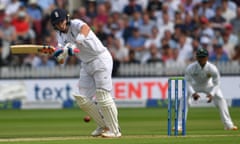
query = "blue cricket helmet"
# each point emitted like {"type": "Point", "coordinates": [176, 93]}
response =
{"type": "Point", "coordinates": [58, 15]}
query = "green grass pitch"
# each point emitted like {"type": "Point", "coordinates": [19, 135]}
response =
{"type": "Point", "coordinates": [139, 126]}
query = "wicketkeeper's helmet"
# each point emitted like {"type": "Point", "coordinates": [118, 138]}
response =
{"type": "Point", "coordinates": [59, 15]}
{"type": "Point", "coordinates": [202, 52]}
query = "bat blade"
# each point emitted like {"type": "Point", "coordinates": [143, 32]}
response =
{"type": "Point", "coordinates": [32, 49]}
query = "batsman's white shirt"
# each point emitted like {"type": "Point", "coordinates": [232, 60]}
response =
{"type": "Point", "coordinates": [90, 48]}
{"type": "Point", "coordinates": [96, 60]}
{"type": "Point", "coordinates": [206, 79]}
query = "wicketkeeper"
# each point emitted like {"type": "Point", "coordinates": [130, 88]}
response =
{"type": "Point", "coordinates": [95, 74]}
{"type": "Point", "coordinates": [203, 77]}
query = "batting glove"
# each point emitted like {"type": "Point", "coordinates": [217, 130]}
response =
{"type": "Point", "coordinates": [60, 55]}
{"type": "Point", "coordinates": [57, 52]}
{"type": "Point", "coordinates": [71, 49]}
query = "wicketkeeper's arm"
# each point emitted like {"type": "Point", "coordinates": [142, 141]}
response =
{"type": "Point", "coordinates": [216, 81]}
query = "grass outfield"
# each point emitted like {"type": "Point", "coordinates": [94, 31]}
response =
{"type": "Point", "coordinates": [139, 126]}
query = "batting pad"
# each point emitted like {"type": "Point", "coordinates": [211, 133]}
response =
{"type": "Point", "coordinates": [90, 108]}
{"type": "Point", "coordinates": [108, 109]}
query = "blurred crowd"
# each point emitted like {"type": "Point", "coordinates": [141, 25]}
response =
{"type": "Point", "coordinates": [134, 31]}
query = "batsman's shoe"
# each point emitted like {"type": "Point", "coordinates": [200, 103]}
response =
{"type": "Point", "coordinates": [109, 134]}
{"type": "Point", "coordinates": [234, 128]}
{"type": "Point", "coordinates": [98, 131]}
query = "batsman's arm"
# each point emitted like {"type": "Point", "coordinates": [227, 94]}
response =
{"type": "Point", "coordinates": [83, 33]}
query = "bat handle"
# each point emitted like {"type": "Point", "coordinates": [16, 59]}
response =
{"type": "Point", "coordinates": [76, 50]}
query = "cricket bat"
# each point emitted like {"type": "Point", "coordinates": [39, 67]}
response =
{"type": "Point", "coordinates": [32, 49]}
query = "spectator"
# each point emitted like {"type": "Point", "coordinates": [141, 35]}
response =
{"type": "Point", "coordinates": [72, 61]}
{"type": "Point", "coordinates": [99, 30]}
{"type": "Point", "coordinates": [22, 25]}
{"type": "Point", "coordinates": [205, 10]}
{"type": "Point", "coordinates": [61, 4]}
{"type": "Point", "coordinates": [196, 33]}
{"type": "Point", "coordinates": [4, 2]}
{"type": "Point", "coordinates": [206, 42]}
{"type": "Point", "coordinates": [31, 60]}
{"type": "Point", "coordinates": [206, 28]}
{"type": "Point", "coordinates": [50, 39]}
{"type": "Point", "coordinates": [116, 31]}
{"type": "Point", "coordinates": [143, 4]}
{"type": "Point", "coordinates": [136, 19]}
{"type": "Point", "coordinates": [8, 37]}
{"type": "Point", "coordinates": [154, 55]}
{"type": "Point", "coordinates": [189, 24]}
{"type": "Point", "coordinates": [91, 9]}
{"type": "Point", "coordinates": [227, 13]}
{"type": "Point", "coordinates": [45, 62]}
{"type": "Point", "coordinates": [46, 5]}
{"type": "Point", "coordinates": [229, 31]}
{"type": "Point", "coordinates": [195, 45]}
{"type": "Point", "coordinates": [165, 24]}
{"type": "Point", "coordinates": [236, 22]}
{"type": "Point", "coordinates": [195, 15]}
{"type": "Point", "coordinates": [2, 13]}
{"type": "Point", "coordinates": [132, 7]}
{"type": "Point", "coordinates": [176, 34]}
{"type": "Point", "coordinates": [167, 53]}
{"type": "Point", "coordinates": [118, 5]}
{"type": "Point", "coordinates": [146, 26]}
{"type": "Point", "coordinates": [227, 44]}
{"type": "Point", "coordinates": [173, 5]}
{"type": "Point", "coordinates": [237, 2]}
{"type": "Point", "coordinates": [154, 38]}
{"type": "Point", "coordinates": [1, 61]}
{"type": "Point", "coordinates": [82, 12]}
{"type": "Point", "coordinates": [132, 59]}
{"type": "Point", "coordinates": [218, 54]}
{"type": "Point", "coordinates": [102, 14]}
{"type": "Point", "coordinates": [185, 49]}
{"type": "Point", "coordinates": [218, 20]}
{"type": "Point", "coordinates": [119, 53]}
{"type": "Point", "coordinates": [152, 14]}
{"type": "Point", "coordinates": [136, 43]}
{"type": "Point", "coordinates": [236, 56]}
{"type": "Point", "coordinates": [12, 7]}
{"type": "Point", "coordinates": [126, 29]}
{"type": "Point", "coordinates": [36, 17]}
{"type": "Point", "coordinates": [188, 6]}
{"type": "Point", "coordinates": [169, 40]}
{"type": "Point", "coordinates": [154, 5]}
{"type": "Point", "coordinates": [178, 17]}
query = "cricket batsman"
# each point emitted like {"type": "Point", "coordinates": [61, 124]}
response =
{"type": "Point", "coordinates": [95, 73]}
{"type": "Point", "coordinates": [203, 77]}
